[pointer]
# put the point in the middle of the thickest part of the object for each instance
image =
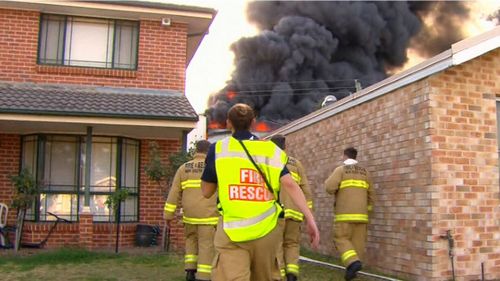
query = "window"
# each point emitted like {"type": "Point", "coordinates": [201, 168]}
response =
{"type": "Point", "coordinates": [89, 42]}
{"type": "Point", "coordinates": [58, 163]}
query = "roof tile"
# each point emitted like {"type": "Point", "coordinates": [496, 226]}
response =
{"type": "Point", "coordinates": [83, 100]}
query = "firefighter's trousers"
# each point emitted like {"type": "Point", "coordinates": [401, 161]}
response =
{"type": "Point", "coordinates": [254, 260]}
{"type": "Point", "coordinates": [199, 249]}
{"type": "Point", "coordinates": [291, 248]}
{"type": "Point", "coordinates": [350, 240]}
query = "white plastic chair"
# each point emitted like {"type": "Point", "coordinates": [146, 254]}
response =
{"type": "Point", "coordinates": [4, 211]}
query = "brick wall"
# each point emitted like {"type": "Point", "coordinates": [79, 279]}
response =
{"type": "Point", "coordinates": [432, 150]}
{"type": "Point", "coordinates": [390, 135]}
{"type": "Point", "coordinates": [465, 167]}
{"type": "Point", "coordinates": [10, 155]}
{"type": "Point", "coordinates": [161, 58]}
{"type": "Point", "coordinates": [153, 196]}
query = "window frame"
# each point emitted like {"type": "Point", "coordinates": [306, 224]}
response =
{"type": "Point", "coordinates": [63, 52]}
{"type": "Point", "coordinates": [79, 191]}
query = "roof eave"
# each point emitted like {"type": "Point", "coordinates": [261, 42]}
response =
{"type": "Point", "coordinates": [110, 115]}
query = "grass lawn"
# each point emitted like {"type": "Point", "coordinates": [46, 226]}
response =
{"type": "Point", "coordinates": [77, 264]}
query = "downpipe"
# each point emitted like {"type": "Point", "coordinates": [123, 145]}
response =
{"type": "Point", "coordinates": [306, 259]}
{"type": "Point", "coordinates": [451, 247]}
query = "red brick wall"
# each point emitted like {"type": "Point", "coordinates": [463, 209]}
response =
{"type": "Point", "coordinates": [432, 149]}
{"type": "Point", "coordinates": [68, 234]}
{"type": "Point", "coordinates": [10, 155]}
{"type": "Point", "coordinates": [153, 197]}
{"type": "Point", "coordinates": [161, 64]}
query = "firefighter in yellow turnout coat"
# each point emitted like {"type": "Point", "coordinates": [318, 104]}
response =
{"type": "Point", "coordinates": [293, 217]}
{"type": "Point", "coordinates": [200, 215]}
{"type": "Point", "coordinates": [354, 196]}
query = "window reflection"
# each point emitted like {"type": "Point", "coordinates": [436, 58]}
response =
{"type": "Point", "coordinates": [62, 205]}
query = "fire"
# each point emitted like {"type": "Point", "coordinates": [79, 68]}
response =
{"type": "Point", "coordinates": [231, 95]}
{"type": "Point", "coordinates": [262, 127]}
{"type": "Point", "coordinates": [216, 125]}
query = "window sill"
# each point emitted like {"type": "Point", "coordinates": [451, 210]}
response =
{"type": "Point", "coordinates": [54, 69]}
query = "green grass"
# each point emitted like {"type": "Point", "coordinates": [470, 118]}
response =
{"type": "Point", "coordinates": [78, 264]}
{"type": "Point", "coordinates": [62, 256]}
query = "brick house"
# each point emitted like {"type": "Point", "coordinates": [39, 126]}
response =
{"type": "Point", "coordinates": [429, 136]}
{"type": "Point", "coordinates": [93, 80]}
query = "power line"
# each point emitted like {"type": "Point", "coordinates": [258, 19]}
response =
{"type": "Point", "coordinates": [277, 94]}
{"type": "Point", "coordinates": [301, 89]}
{"type": "Point", "coordinates": [299, 81]}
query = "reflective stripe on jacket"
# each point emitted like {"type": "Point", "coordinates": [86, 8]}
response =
{"type": "Point", "coordinates": [249, 209]}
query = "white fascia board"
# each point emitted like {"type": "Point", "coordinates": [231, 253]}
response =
{"type": "Point", "coordinates": [44, 4]}
{"type": "Point", "coordinates": [467, 54]}
{"type": "Point", "coordinates": [98, 120]}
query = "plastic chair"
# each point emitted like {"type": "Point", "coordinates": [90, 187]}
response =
{"type": "Point", "coordinates": [4, 211]}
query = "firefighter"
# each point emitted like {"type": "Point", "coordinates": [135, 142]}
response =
{"type": "Point", "coordinates": [354, 197]}
{"type": "Point", "coordinates": [199, 216]}
{"type": "Point", "coordinates": [289, 252]}
{"type": "Point", "coordinates": [247, 174]}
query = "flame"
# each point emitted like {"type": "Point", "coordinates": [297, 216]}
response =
{"type": "Point", "coordinates": [262, 127]}
{"type": "Point", "coordinates": [216, 125]}
{"type": "Point", "coordinates": [231, 95]}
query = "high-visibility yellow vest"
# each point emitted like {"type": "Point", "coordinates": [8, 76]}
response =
{"type": "Point", "coordinates": [249, 209]}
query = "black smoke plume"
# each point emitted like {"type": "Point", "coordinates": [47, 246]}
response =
{"type": "Point", "coordinates": [308, 50]}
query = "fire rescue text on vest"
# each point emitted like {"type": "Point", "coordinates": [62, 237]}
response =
{"type": "Point", "coordinates": [250, 188]}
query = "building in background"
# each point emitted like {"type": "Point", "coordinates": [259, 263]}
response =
{"type": "Point", "coordinates": [430, 138]}
{"type": "Point", "coordinates": [85, 87]}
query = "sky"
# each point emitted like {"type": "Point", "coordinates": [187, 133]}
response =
{"type": "Point", "coordinates": [212, 64]}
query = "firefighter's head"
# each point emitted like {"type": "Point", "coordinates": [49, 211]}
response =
{"type": "Point", "coordinates": [240, 117]}
{"type": "Point", "coordinates": [202, 146]}
{"type": "Point", "coordinates": [279, 140]}
{"type": "Point", "coordinates": [350, 153]}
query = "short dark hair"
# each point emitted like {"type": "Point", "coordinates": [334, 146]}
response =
{"type": "Point", "coordinates": [202, 146]}
{"type": "Point", "coordinates": [351, 152]}
{"type": "Point", "coordinates": [279, 140]}
{"type": "Point", "coordinates": [241, 116]}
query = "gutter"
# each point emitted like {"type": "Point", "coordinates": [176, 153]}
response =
{"type": "Point", "coordinates": [306, 259]}
{"type": "Point", "coordinates": [98, 114]}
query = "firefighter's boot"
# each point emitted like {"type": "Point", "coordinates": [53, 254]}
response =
{"type": "Point", "coordinates": [190, 275]}
{"type": "Point", "coordinates": [351, 270]}
{"type": "Point", "coordinates": [291, 277]}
